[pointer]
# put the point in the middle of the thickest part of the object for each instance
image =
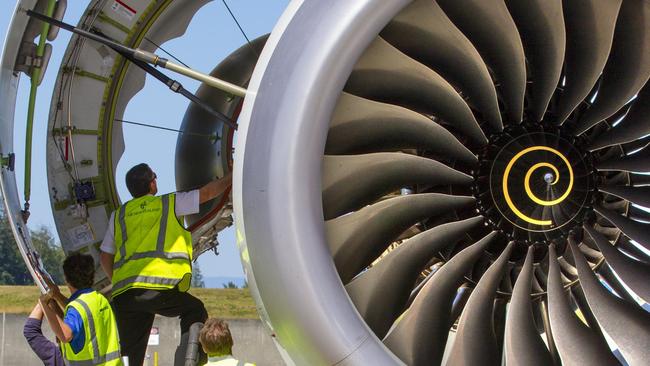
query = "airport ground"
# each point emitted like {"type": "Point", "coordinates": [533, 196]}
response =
{"type": "Point", "coordinates": [252, 341]}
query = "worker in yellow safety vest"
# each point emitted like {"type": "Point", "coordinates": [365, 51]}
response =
{"type": "Point", "coordinates": [147, 254]}
{"type": "Point", "coordinates": [87, 331]}
{"type": "Point", "coordinates": [216, 341]}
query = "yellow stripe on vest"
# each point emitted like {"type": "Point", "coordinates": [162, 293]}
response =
{"type": "Point", "coordinates": [154, 249]}
{"type": "Point", "coordinates": [102, 345]}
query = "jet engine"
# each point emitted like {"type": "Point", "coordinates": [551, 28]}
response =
{"type": "Point", "coordinates": [455, 182]}
{"type": "Point", "coordinates": [415, 182]}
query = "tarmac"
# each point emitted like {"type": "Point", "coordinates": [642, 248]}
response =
{"type": "Point", "coordinates": [252, 342]}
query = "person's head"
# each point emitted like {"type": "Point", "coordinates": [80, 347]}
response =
{"type": "Point", "coordinates": [215, 338]}
{"type": "Point", "coordinates": [79, 271]}
{"type": "Point", "coordinates": [141, 180]}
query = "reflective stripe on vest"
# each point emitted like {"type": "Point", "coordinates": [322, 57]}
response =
{"type": "Point", "coordinates": [101, 348]}
{"type": "Point", "coordinates": [154, 249]}
{"type": "Point", "coordinates": [113, 356]}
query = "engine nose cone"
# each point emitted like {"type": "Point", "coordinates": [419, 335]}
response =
{"type": "Point", "coordinates": [539, 182]}
{"type": "Point", "coordinates": [549, 178]}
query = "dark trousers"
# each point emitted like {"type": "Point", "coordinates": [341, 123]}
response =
{"type": "Point", "coordinates": [135, 310]}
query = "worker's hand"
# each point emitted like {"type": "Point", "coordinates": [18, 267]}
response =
{"type": "Point", "coordinates": [55, 307]}
{"type": "Point", "coordinates": [51, 285]}
{"type": "Point", "coordinates": [215, 188]}
{"type": "Point", "coordinates": [46, 301]}
{"type": "Point", "coordinates": [45, 298]}
{"type": "Point", "coordinates": [55, 294]}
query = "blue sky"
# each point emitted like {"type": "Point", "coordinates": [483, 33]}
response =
{"type": "Point", "coordinates": [211, 36]}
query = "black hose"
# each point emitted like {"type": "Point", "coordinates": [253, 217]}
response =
{"type": "Point", "coordinates": [193, 345]}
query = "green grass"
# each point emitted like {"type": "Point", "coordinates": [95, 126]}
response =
{"type": "Point", "coordinates": [222, 303]}
{"type": "Point", "coordinates": [21, 299]}
{"type": "Point", "coordinates": [227, 303]}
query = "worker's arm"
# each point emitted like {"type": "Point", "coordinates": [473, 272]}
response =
{"type": "Point", "coordinates": [106, 261]}
{"type": "Point", "coordinates": [60, 328]}
{"type": "Point", "coordinates": [37, 312]}
{"type": "Point", "coordinates": [215, 188]}
{"type": "Point", "coordinates": [56, 295]}
{"type": "Point", "coordinates": [44, 348]}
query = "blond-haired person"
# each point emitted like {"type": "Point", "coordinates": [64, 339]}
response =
{"type": "Point", "coordinates": [216, 341]}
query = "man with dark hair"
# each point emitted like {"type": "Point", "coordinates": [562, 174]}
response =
{"type": "Point", "coordinates": [147, 254]}
{"type": "Point", "coordinates": [138, 180]}
{"type": "Point", "coordinates": [79, 271]}
{"type": "Point", "coordinates": [217, 342]}
{"type": "Point", "coordinates": [87, 331]}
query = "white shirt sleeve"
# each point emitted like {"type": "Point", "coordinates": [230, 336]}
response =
{"type": "Point", "coordinates": [108, 244]}
{"type": "Point", "coordinates": [187, 203]}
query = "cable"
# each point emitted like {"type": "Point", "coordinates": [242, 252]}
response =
{"type": "Point", "coordinates": [211, 137]}
{"type": "Point", "coordinates": [70, 85]}
{"type": "Point", "coordinates": [240, 28]}
{"type": "Point", "coordinates": [165, 51]}
{"type": "Point", "coordinates": [66, 84]}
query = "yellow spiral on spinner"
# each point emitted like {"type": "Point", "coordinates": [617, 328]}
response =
{"type": "Point", "coordinates": [529, 192]}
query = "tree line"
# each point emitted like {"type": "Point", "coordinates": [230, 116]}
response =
{"type": "Point", "coordinates": [13, 270]}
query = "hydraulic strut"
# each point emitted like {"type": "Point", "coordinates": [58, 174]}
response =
{"type": "Point", "coordinates": [145, 59]}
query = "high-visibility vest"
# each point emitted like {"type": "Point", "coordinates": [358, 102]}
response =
{"type": "Point", "coordinates": [153, 249]}
{"type": "Point", "coordinates": [228, 361]}
{"type": "Point", "coordinates": [102, 345]}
